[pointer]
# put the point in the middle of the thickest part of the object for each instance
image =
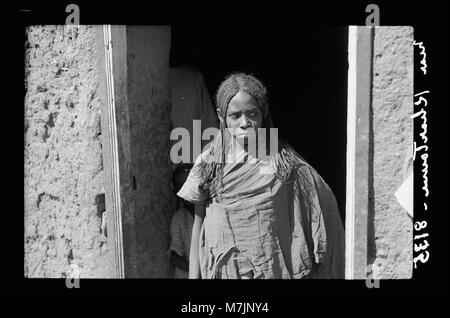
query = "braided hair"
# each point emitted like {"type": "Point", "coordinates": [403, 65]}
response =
{"type": "Point", "coordinates": [212, 164]}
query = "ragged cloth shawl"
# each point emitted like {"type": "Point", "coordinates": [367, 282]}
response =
{"type": "Point", "coordinates": [261, 227]}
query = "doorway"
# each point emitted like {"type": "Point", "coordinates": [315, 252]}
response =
{"type": "Point", "coordinates": [305, 71]}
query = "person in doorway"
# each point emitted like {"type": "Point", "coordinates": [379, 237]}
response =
{"type": "Point", "coordinates": [181, 227]}
{"type": "Point", "coordinates": [190, 101]}
{"type": "Point", "coordinates": [265, 217]}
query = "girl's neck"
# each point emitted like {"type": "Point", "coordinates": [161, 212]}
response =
{"type": "Point", "coordinates": [238, 150]}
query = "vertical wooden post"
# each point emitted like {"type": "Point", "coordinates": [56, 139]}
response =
{"type": "Point", "coordinates": [112, 63]}
{"type": "Point", "coordinates": [110, 152]}
{"type": "Point", "coordinates": [360, 46]}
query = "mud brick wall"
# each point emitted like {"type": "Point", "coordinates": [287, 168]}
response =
{"type": "Point", "coordinates": [64, 195]}
{"type": "Point", "coordinates": [392, 149]}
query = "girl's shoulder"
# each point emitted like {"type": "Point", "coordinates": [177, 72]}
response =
{"type": "Point", "coordinates": [294, 164]}
{"type": "Point", "coordinates": [288, 154]}
{"type": "Point", "coordinates": [205, 155]}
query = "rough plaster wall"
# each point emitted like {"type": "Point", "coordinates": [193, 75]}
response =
{"type": "Point", "coordinates": [63, 155]}
{"type": "Point", "coordinates": [149, 103]}
{"type": "Point", "coordinates": [393, 139]}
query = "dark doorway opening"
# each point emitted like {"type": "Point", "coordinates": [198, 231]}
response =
{"type": "Point", "coordinates": [305, 70]}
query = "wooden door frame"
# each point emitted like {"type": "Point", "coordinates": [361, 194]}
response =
{"type": "Point", "coordinates": [115, 137]}
{"type": "Point", "coordinates": [112, 64]}
{"type": "Point", "coordinates": [359, 100]}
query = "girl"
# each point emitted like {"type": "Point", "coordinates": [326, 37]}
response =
{"type": "Point", "coordinates": [269, 216]}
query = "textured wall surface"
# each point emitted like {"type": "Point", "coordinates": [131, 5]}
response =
{"type": "Point", "coordinates": [149, 106]}
{"type": "Point", "coordinates": [392, 142]}
{"type": "Point", "coordinates": [63, 156]}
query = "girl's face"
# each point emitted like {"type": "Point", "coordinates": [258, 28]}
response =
{"type": "Point", "coordinates": [243, 114]}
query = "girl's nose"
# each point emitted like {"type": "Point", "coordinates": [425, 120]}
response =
{"type": "Point", "coordinates": [244, 122]}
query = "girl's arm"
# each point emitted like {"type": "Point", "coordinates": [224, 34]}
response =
{"type": "Point", "coordinates": [194, 259]}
